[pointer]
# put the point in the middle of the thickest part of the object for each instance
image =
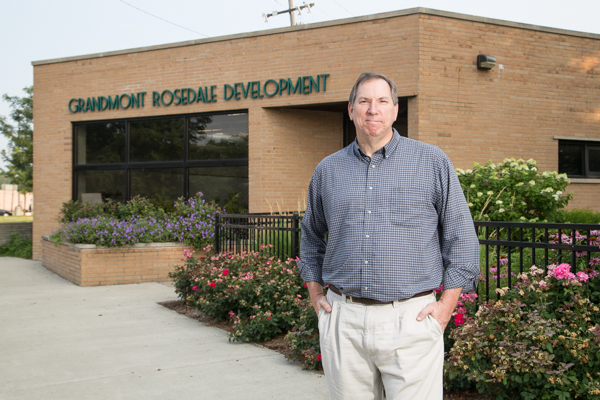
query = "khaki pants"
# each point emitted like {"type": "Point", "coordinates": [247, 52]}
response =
{"type": "Point", "coordinates": [364, 348]}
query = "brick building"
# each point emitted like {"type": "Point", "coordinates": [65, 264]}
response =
{"type": "Point", "coordinates": [252, 114]}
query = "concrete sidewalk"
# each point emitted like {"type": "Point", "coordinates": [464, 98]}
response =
{"type": "Point", "coordinates": [62, 341]}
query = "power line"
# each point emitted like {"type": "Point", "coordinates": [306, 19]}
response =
{"type": "Point", "coordinates": [162, 19]}
{"type": "Point", "coordinates": [343, 8]}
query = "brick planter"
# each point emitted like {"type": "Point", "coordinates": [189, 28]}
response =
{"type": "Point", "coordinates": [91, 265]}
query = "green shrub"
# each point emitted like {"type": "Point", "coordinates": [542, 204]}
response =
{"type": "Point", "coordinates": [578, 216]}
{"type": "Point", "coordinates": [541, 340]}
{"type": "Point", "coordinates": [259, 293]}
{"type": "Point", "coordinates": [513, 191]}
{"type": "Point", "coordinates": [17, 247]}
{"type": "Point", "coordinates": [74, 210]}
{"type": "Point", "coordinates": [303, 339]}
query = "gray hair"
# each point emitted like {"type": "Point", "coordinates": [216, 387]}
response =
{"type": "Point", "coordinates": [367, 76]}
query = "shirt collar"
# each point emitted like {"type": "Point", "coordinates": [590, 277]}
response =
{"type": "Point", "coordinates": [386, 150]}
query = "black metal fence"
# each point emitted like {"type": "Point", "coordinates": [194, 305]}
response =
{"type": "Point", "coordinates": [235, 233]}
{"type": "Point", "coordinates": [508, 248]}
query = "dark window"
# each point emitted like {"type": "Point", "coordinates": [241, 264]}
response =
{"type": "Point", "coordinates": [218, 137]}
{"type": "Point", "coordinates": [156, 140]}
{"type": "Point", "coordinates": [109, 183]}
{"type": "Point", "coordinates": [223, 184]}
{"type": "Point", "coordinates": [161, 185]}
{"type": "Point", "coordinates": [100, 143]}
{"type": "Point", "coordinates": [147, 157]}
{"type": "Point", "coordinates": [579, 159]}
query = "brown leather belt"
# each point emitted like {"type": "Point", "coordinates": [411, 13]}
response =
{"type": "Point", "coordinates": [371, 302]}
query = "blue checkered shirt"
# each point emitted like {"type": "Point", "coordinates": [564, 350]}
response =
{"type": "Point", "coordinates": [390, 227]}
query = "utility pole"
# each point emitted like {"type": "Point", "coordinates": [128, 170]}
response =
{"type": "Point", "coordinates": [291, 11]}
{"type": "Point", "coordinates": [292, 15]}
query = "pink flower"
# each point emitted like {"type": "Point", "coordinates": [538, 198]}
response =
{"type": "Point", "coordinates": [543, 283]}
{"type": "Point", "coordinates": [503, 260]}
{"type": "Point", "coordinates": [436, 291]}
{"type": "Point", "coordinates": [563, 272]}
{"type": "Point", "coordinates": [212, 284]}
{"type": "Point", "coordinates": [595, 261]}
{"type": "Point", "coordinates": [582, 276]}
{"type": "Point", "coordinates": [225, 272]}
{"type": "Point", "coordinates": [459, 319]}
{"type": "Point", "coordinates": [305, 285]}
{"type": "Point", "coordinates": [195, 288]}
{"type": "Point", "coordinates": [319, 357]}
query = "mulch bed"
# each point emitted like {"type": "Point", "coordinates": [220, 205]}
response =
{"type": "Point", "coordinates": [279, 344]}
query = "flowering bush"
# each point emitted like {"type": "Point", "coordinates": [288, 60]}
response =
{"type": "Point", "coordinates": [303, 339]}
{"type": "Point", "coordinates": [137, 221]}
{"type": "Point", "coordinates": [540, 340]}
{"type": "Point", "coordinates": [262, 295]}
{"type": "Point", "coordinates": [513, 191]}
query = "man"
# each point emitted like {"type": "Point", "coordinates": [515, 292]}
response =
{"type": "Point", "coordinates": [386, 222]}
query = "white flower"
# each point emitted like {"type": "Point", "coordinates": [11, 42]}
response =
{"type": "Point", "coordinates": [499, 202]}
{"type": "Point", "coordinates": [545, 174]}
{"type": "Point", "coordinates": [531, 182]}
{"type": "Point", "coordinates": [470, 204]}
{"type": "Point", "coordinates": [513, 164]}
{"type": "Point", "coordinates": [519, 184]}
{"type": "Point", "coordinates": [558, 192]}
{"type": "Point", "coordinates": [501, 210]}
{"type": "Point", "coordinates": [555, 197]}
{"type": "Point", "coordinates": [492, 166]}
{"type": "Point", "coordinates": [472, 186]}
{"type": "Point", "coordinates": [523, 219]}
{"type": "Point", "coordinates": [527, 168]}
{"type": "Point", "coordinates": [547, 190]}
{"type": "Point", "coordinates": [534, 169]}
{"type": "Point", "coordinates": [468, 171]}
{"type": "Point", "coordinates": [460, 171]}
{"type": "Point", "coordinates": [523, 203]}
{"type": "Point", "coordinates": [531, 161]}
{"type": "Point", "coordinates": [490, 193]}
{"type": "Point", "coordinates": [479, 194]}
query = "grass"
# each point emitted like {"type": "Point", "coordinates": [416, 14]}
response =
{"type": "Point", "coordinates": [16, 219]}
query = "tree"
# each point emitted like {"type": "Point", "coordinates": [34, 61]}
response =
{"type": "Point", "coordinates": [19, 157]}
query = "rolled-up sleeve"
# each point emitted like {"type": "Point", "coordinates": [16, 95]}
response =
{"type": "Point", "coordinates": [458, 240]}
{"type": "Point", "coordinates": [314, 231]}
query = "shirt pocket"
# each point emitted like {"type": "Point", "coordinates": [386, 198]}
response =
{"type": "Point", "coordinates": [410, 206]}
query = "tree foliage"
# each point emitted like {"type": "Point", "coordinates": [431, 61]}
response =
{"type": "Point", "coordinates": [19, 155]}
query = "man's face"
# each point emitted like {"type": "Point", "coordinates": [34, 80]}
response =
{"type": "Point", "coordinates": [373, 111]}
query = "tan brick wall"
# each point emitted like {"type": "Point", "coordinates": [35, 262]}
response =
{"type": "Point", "coordinates": [291, 143]}
{"type": "Point", "coordinates": [111, 266]}
{"type": "Point", "coordinates": [549, 86]}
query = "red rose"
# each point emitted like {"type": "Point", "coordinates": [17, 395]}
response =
{"type": "Point", "coordinates": [319, 357]}
{"type": "Point", "coordinates": [459, 319]}
{"type": "Point", "coordinates": [225, 272]}
{"type": "Point", "coordinates": [268, 318]}
{"type": "Point", "coordinates": [212, 284]}
{"type": "Point", "coordinates": [305, 285]}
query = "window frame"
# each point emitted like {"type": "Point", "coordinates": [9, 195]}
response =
{"type": "Point", "coordinates": [127, 166]}
{"type": "Point", "coordinates": [585, 161]}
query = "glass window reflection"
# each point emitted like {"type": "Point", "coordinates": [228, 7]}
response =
{"type": "Point", "coordinates": [100, 143]}
{"type": "Point", "coordinates": [217, 137]}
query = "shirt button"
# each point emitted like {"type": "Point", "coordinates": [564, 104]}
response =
{"type": "Point", "coordinates": [370, 188]}
{"type": "Point", "coordinates": [372, 166]}
{"type": "Point", "coordinates": [367, 236]}
{"type": "Point", "coordinates": [366, 262]}
{"type": "Point", "coordinates": [366, 288]}
{"type": "Point", "coordinates": [369, 212]}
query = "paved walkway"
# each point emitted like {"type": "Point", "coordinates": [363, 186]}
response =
{"type": "Point", "coordinates": [62, 341]}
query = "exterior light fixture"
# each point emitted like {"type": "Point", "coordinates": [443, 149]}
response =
{"type": "Point", "coordinates": [485, 62]}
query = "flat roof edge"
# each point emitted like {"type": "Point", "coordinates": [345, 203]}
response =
{"type": "Point", "coordinates": [318, 25]}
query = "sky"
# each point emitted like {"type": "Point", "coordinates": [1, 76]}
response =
{"type": "Point", "coordinates": [34, 30]}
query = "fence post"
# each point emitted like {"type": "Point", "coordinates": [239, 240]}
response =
{"type": "Point", "coordinates": [295, 235]}
{"type": "Point", "coordinates": [218, 232]}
